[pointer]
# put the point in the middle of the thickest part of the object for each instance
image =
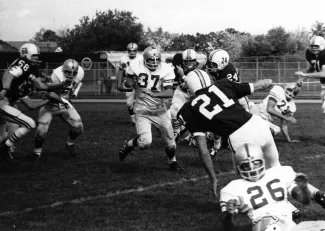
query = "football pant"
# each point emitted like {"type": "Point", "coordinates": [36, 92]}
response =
{"type": "Point", "coordinates": [162, 123]}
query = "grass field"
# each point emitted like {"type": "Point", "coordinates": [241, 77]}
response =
{"type": "Point", "coordinates": [94, 191]}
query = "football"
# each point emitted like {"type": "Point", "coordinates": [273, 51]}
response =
{"type": "Point", "coordinates": [129, 82]}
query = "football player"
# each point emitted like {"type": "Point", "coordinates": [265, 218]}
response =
{"type": "Point", "coordinates": [315, 56]}
{"type": "Point", "coordinates": [218, 66]}
{"type": "Point", "coordinates": [72, 73]}
{"type": "Point", "coordinates": [125, 60]}
{"type": "Point", "coordinates": [262, 193]}
{"type": "Point", "coordinates": [218, 111]}
{"type": "Point", "coordinates": [183, 63]}
{"type": "Point", "coordinates": [17, 84]}
{"type": "Point", "coordinates": [280, 104]}
{"type": "Point", "coordinates": [154, 84]}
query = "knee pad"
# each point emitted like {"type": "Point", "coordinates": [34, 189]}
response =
{"type": "Point", "coordinates": [41, 130]}
{"type": "Point", "coordinates": [144, 142]}
{"type": "Point", "coordinates": [78, 128]}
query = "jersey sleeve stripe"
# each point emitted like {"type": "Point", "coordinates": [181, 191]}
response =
{"type": "Point", "coordinates": [201, 78]}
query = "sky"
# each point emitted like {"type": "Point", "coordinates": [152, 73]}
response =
{"type": "Point", "coordinates": [21, 19]}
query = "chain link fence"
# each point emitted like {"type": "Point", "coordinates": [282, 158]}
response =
{"type": "Point", "coordinates": [100, 81]}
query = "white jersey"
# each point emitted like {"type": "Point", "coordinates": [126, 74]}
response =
{"type": "Point", "coordinates": [58, 77]}
{"type": "Point", "coordinates": [283, 106]}
{"type": "Point", "coordinates": [125, 61]}
{"type": "Point", "coordinates": [268, 196]}
{"type": "Point", "coordinates": [152, 80]}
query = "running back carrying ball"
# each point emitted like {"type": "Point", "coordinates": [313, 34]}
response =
{"type": "Point", "coordinates": [129, 82]}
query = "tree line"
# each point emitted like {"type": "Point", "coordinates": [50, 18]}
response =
{"type": "Point", "coordinates": [112, 30]}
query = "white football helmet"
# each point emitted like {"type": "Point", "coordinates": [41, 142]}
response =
{"type": "Point", "coordinates": [196, 80]}
{"type": "Point", "coordinates": [291, 90]}
{"type": "Point", "coordinates": [70, 69]}
{"type": "Point", "coordinates": [152, 58]}
{"type": "Point", "coordinates": [217, 60]}
{"type": "Point", "coordinates": [250, 162]}
{"type": "Point", "coordinates": [189, 59]}
{"type": "Point", "coordinates": [31, 52]}
{"type": "Point", "coordinates": [317, 44]}
{"type": "Point", "coordinates": [132, 49]}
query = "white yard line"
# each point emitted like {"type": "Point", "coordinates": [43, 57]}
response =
{"type": "Point", "coordinates": [118, 193]}
{"type": "Point", "coordinates": [315, 156]}
{"type": "Point", "coordinates": [110, 194]}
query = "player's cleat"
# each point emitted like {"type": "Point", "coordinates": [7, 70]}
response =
{"type": "Point", "coordinates": [174, 166]}
{"type": "Point", "coordinates": [213, 153]}
{"type": "Point", "coordinates": [192, 141]}
{"type": "Point", "coordinates": [37, 157]}
{"type": "Point", "coordinates": [6, 154]}
{"type": "Point", "coordinates": [296, 215]}
{"type": "Point", "coordinates": [124, 151]}
{"type": "Point", "coordinates": [320, 198]}
{"type": "Point", "coordinates": [71, 149]}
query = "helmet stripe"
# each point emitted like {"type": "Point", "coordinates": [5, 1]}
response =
{"type": "Point", "coordinates": [201, 78]}
{"type": "Point", "coordinates": [247, 150]}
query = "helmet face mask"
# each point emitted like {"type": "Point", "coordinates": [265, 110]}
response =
{"type": "Point", "coordinates": [317, 44]}
{"type": "Point", "coordinates": [251, 169]}
{"type": "Point", "coordinates": [152, 58]}
{"type": "Point", "coordinates": [189, 60]}
{"type": "Point", "coordinates": [291, 91]}
{"type": "Point", "coordinates": [250, 162]}
{"type": "Point", "coordinates": [70, 69]}
{"type": "Point", "coordinates": [31, 52]}
{"type": "Point", "coordinates": [132, 49]}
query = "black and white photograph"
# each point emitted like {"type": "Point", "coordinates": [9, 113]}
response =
{"type": "Point", "coordinates": [146, 115]}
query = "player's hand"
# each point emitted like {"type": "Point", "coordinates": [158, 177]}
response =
{"type": "Point", "coordinates": [232, 206]}
{"type": "Point", "coordinates": [291, 120]}
{"type": "Point", "coordinates": [300, 81]}
{"type": "Point", "coordinates": [3, 93]}
{"type": "Point", "coordinates": [294, 141]}
{"type": "Point", "coordinates": [300, 73]}
{"type": "Point", "coordinates": [215, 189]}
{"type": "Point", "coordinates": [179, 70]}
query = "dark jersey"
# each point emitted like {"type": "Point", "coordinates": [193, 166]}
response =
{"type": "Point", "coordinates": [216, 109]}
{"type": "Point", "coordinates": [316, 61]}
{"type": "Point", "coordinates": [21, 85]}
{"type": "Point", "coordinates": [229, 72]}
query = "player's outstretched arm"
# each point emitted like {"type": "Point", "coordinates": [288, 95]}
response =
{"type": "Point", "coordinates": [207, 162]}
{"type": "Point", "coordinates": [46, 86]}
{"type": "Point", "coordinates": [285, 132]}
{"type": "Point", "coordinates": [310, 73]}
{"type": "Point", "coordinates": [262, 84]}
{"type": "Point", "coordinates": [32, 105]}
